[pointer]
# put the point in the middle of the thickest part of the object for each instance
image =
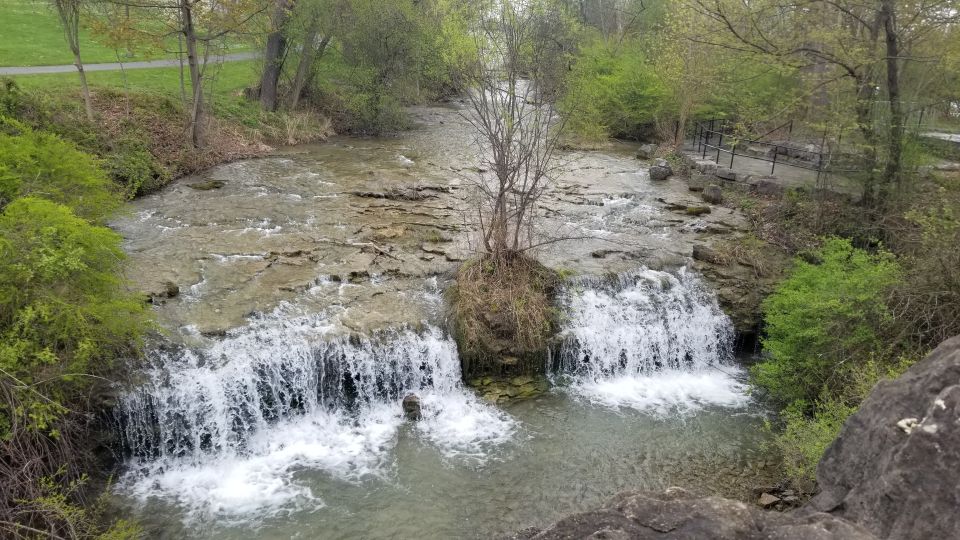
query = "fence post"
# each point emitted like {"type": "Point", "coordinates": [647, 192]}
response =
{"type": "Point", "coordinates": [733, 152]}
{"type": "Point", "coordinates": [706, 142]}
{"type": "Point", "coordinates": [776, 150]}
{"type": "Point", "coordinates": [719, 145]}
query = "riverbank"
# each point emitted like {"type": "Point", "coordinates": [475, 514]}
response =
{"type": "Point", "coordinates": [140, 135]}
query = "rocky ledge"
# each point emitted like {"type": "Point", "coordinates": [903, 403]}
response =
{"type": "Point", "coordinates": [892, 473]}
{"type": "Point", "coordinates": [679, 514]}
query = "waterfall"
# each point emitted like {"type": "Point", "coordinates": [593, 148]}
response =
{"type": "Point", "coordinates": [649, 340]}
{"type": "Point", "coordinates": [222, 429]}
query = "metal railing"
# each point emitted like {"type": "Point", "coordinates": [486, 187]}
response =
{"type": "Point", "coordinates": [713, 139]}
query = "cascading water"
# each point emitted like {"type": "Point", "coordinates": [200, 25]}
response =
{"type": "Point", "coordinates": [223, 430]}
{"type": "Point", "coordinates": [649, 340]}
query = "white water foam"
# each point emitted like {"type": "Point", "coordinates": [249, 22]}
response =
{"type": "Point", "coordinates": [649, 340]}
{"type": "Point", "coordinates": [226, 432]}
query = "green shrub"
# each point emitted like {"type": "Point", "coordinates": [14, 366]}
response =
{"type": "Point", "coordinates": [63, 311]}
{"type": "Point", "coordinates": [825, 321]}
{"type": "Point", "coordinates": [804, 439]}
{"type": "Point", "coordinates": [38, 164]}
{"type": "Point", "coordinates": [132, 165]}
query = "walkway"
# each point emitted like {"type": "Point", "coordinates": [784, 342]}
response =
{"type": "Point", "coordinates": [117, 66]}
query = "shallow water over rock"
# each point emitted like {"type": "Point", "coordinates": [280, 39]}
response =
{"type": "Point", "coordinates": [310, 303]}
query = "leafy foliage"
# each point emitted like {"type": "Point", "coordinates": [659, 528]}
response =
{"type": "Point", "coordinates": [611, 91]}
{"type": "Point", "coordinates": [825, 321]}
{"type": "Point", "coordinates": [39, 164]}
{"type": "Point", "coordinates": [65, 318]}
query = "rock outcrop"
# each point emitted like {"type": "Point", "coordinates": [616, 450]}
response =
{"type": "Point", "coordinates": [895, 468]}
{"type": "Point", "coordinates": [892, 473]}
{"type": "Point", "coordinates": [678, 514]}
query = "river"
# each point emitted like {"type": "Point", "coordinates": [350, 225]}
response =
{"type": "Point", "coordinates": [311, 301]}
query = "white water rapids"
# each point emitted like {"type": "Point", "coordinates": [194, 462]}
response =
{"type": "Point", "coordinates": [648, 340]}
{"type": "Point", "coordinates": [227, 431]}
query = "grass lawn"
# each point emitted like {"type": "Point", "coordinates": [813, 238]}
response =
{"type": "Point", "coordinates": [222, 89]}
{"type": "Point", "coordinates": [30, 35]}
{"type": "Point", "coordinates": [224, 79]}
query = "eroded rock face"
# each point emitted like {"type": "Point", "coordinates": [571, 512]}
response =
{"type": "Point", "coordinates": [895, 468]}
{"type": "Point", "coordinates": [678, 514]}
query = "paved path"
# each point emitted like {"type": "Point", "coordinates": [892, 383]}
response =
{"type": "Point", "coordinates": [116, 66]}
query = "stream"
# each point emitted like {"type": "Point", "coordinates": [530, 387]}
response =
{"type": "Point", "coordinates": [309, 302]}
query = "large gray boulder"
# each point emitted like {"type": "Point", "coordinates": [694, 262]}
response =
{"type": "Point", "coordinates": [677, 514]}
{"type": "Point", "coordinates": [895, 468]}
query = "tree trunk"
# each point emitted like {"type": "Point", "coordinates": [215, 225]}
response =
{"type": "Point", "coordinates": [891, 173]}
{"type": "Point", "coordinates": [87, 102]}
{"type": "Point", "coordinates": [196, 76]}
{"type": "Point", "coordinates": [307, 57]}
{"type": "Point", "coordinates": [273, 58]}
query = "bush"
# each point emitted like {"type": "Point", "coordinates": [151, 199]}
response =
{"type": "Point", "coordinates": [805, 438]}
{"type": "Point", "coordinates": [66, 317]}
{"type": "Point", "coordinates": [34, 163]}
{"type": "Point", "coordinates": [825, 321]}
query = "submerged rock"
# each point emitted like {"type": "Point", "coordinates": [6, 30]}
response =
{"type": "Point", "coordinates": [207, 185]}
{"type": "Point", "coordinates": [411, 407]}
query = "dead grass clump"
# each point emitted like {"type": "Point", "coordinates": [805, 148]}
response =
{"type": "Point", "coordinates": [503, 310]}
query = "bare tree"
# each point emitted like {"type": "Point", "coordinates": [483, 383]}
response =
{"type": "Point", "coordinates": [517, 135]}
{"type": "Point", "coordinates": [69, 13]}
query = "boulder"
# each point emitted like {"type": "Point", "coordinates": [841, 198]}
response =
{"type": "Point", "coordinates": [895, 467]}
{"type": "Point", "coordinates": [646, 151]}
{"type": "Point", "coordinates": [677, 514]}
{"type": "Point", "coordinates": [726, 174]}
{"type": "Point", "coordinates": [660, 173]}
{"type": "Point", "coordinates": [698, 181]}
{"type": "Point", "coordinates": [769, 188]}
{"type": "Point", "coordinates": [411, 407]}
{"type": "Point", "coordinates": [712, 194]}
{"type": "Point", "coordinates": [706, 166]}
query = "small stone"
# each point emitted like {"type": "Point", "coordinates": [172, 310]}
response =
{"type": "Point", "coordinates": [697, 210]}
{"type": "Point", "coordinates": [411, 407]}
{"type": "Point", "coordinates": [712, 194]}
{"type": "Point", "coordinates": [767, 500]}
